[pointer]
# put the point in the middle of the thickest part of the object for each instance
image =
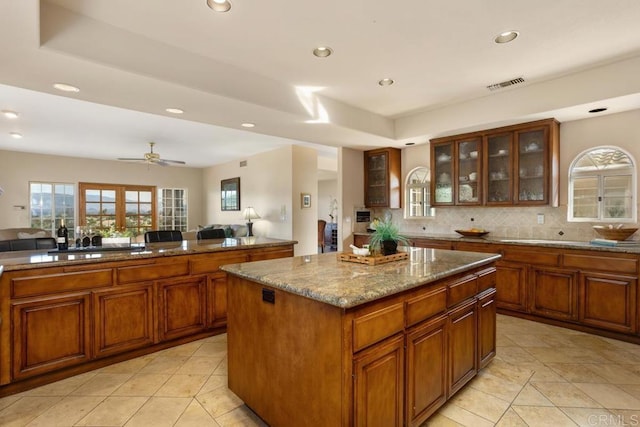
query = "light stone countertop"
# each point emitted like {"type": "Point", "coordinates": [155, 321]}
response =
{"type": "Point", "coordinates": [344, 284]}
{"type": "Point", "coordinates": [627, 246]}
{"type": "Point", "coordinates": [24, 260]}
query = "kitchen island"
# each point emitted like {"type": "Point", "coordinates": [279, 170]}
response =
{"type": "Point", "coordinates": [68, 312]}
{"type": "Point", "coordinates": [316, 341]}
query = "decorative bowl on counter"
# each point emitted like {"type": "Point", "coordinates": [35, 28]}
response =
{"type": "Point", "coordinates": [472, 233]}
{"type": "Point", "coordinates": [612, 233]}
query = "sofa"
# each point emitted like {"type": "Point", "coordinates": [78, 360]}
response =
{"type": "Point", "coordinates": [231, 230]}
{"type": "Point", "coordinates": [25, 239]}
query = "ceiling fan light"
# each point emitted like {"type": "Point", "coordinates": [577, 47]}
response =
{"type": "Point", "coordinates": [219, 5]}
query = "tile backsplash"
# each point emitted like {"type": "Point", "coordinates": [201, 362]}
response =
{"type": "Point", "coordinates": [512, 222]}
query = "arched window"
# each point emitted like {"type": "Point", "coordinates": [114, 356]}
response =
{"type": "Point", "coordinates": [417, 194]}
{"type": "Point", "coordinates": [602, 186]}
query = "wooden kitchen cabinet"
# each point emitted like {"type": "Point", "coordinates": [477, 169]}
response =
{"type": "Point", "coordinates": [456, 164]}
{"type": "Point", "coordinates": [609, 301]}
{"type": "Point", "coordinates": [50, 333]}
{"type": "Point", "coordinates": [379, 385]}
{"type": "Point", "coordinates": [66, 318]}
{"type": "Point", "coordinates": [486, 327]}
{"type": "Point", "coordinates": [426, 369]}
{"type": "Point", "coordinates": [511, 286]}
{"type": "Point", "coordinates": [382, 178]}
{"type": "Point", "coordinates": [217, 300]}
{"type": "Point", "coordinates": [182, 307]}
{"type": "Point", "coordinates": [515, 165]}
{"type": "Point", "coordinates": [123, 319]}
{"type": "Point", "coordinates": [462, 345]}
{"type": "Point", "coordinates": [554, 293]}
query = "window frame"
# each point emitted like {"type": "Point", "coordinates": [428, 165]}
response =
{"type": "Point", "coordinates": [120, 204]}
{"type": "Point", "coordinates": [69, 220]}
{"type": "Point", "coordinates": [427, 210]}
{"type": "Point", "coordinates": [161, 209]}
{"type": "Point", "coordinates": [600, 176]}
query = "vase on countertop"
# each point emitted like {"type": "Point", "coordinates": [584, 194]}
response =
{"type": "Point", "coordinates": [389, 247]}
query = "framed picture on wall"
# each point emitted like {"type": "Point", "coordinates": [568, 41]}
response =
{"type": "Point", "coordinates": [230, 194]}
{"type": "Point", "coordinates": [305, 200]}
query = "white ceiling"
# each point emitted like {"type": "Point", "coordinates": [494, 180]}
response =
{"type": "Point", "coordinates": [132, 60]}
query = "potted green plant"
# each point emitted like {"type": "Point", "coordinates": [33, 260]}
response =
{"type": "Point", "coordinates": [386, 236]}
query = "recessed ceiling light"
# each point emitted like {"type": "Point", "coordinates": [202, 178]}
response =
{"type": "Point", "coordinates": [598, 110]}
{"type": "Point", "coordinates": [10, 114]}
{"type": "Point", "coordinates": [506, 37]}
{"type": "Point", "coordinates": [16, 135]}
{"type": "Point", "coordinates": [65, 87]}
{"type": "Point", "coordinates": [174, 110]}
{"type": "Point", "coordinates": [219, 5]}
{"type": "Point", "coordinates": [386, 82]}
{"type": "Point", "coordinates": [248, 125]}
{"type": "Point", "coordinates": [322, 51]}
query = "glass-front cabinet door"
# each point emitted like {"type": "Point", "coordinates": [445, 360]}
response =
{"type": "Point", "coordinates": [442, 167]}
{"type": "Point", "coordinates": [500, 169]}
{"type": "Point", "coordinates": [532, 167]}
{"type": "Point", "coordinates": [468, 178]}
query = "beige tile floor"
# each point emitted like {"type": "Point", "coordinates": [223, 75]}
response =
{"type": "Point", "coordinates": [541, 376]}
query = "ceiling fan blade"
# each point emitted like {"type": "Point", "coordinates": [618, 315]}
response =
{"type": "Point", "coordinates": [131, 159]}
{"type": "Point", "coordinates": [178, 162]}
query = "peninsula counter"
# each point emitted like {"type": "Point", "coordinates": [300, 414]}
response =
{"type": "Point", "coordinates": [316, 341]}
{"type": "Point", "coordinates": [66, 313]}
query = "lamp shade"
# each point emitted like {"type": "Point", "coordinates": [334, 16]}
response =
{"type": "Point", "coordinates": [250, 213]}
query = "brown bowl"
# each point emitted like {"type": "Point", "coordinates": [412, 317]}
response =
{"type": "Point", "coordinates": [614, 233]}
{"type": "Point", "coordinates": [469, 233]}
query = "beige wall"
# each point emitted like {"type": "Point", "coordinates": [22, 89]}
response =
{"type": "Point", "coordinates": [271, 182]}
{"type": "Point", "coordinates": [350, 193]}
{"type": "Point", "coordinates": [305, 180]}
{"type": "Point", "coordinates": [17, 169]}
{"type": "Point", "coordinates": [265, 184]}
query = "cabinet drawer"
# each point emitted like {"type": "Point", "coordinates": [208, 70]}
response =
{"type": "Point", "coordinates": [486, 279]}
{"type": "Point", "coordinates": [212, 263]}
{"type": "Point", "coordinates": [147, 272]}
{"type": "Point", "coordinates": [602, 263]}
{"type": "Point", "coordinates": [429, 243]}
{"type": "Point", "coordinates": [373, 327]}
{"type": "Point", "coordinates": [426, 305]}
{"type": "Point", "coordinates": [64, 282]}
{"type": "Point", "coordinates": [461, 289]}
{"type": "Point", "coordinates": [532, 257]}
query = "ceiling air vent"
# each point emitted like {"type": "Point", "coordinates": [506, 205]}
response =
{"type": "Point", "coordinates": [507, 83]}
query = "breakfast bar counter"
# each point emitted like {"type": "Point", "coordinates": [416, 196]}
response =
{"type": "Point", "coordinates": [68, 312]}
{"type": "Point", "coordinates": [318, 341]}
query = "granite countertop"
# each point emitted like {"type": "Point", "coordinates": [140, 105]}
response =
{"type": "Point", "coordinates": [627, 246]}
{"type": "Point", "coordinates": [23, 260]}
{"type": "Point", "coordinates": [343, 284]}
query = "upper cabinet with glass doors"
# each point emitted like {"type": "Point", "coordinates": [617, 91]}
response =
{"type": "Point", "coordinates": [512, 165]}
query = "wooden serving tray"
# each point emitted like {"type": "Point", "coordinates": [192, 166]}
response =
{"type": "Point", "coordinates": [372, 260]}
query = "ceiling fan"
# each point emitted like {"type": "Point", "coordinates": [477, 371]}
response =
{"type": "Point", "coordinates": [153, 158]}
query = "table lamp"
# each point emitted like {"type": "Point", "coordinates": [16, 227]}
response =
{"type": "Point", "coordinates": [249, 214]}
